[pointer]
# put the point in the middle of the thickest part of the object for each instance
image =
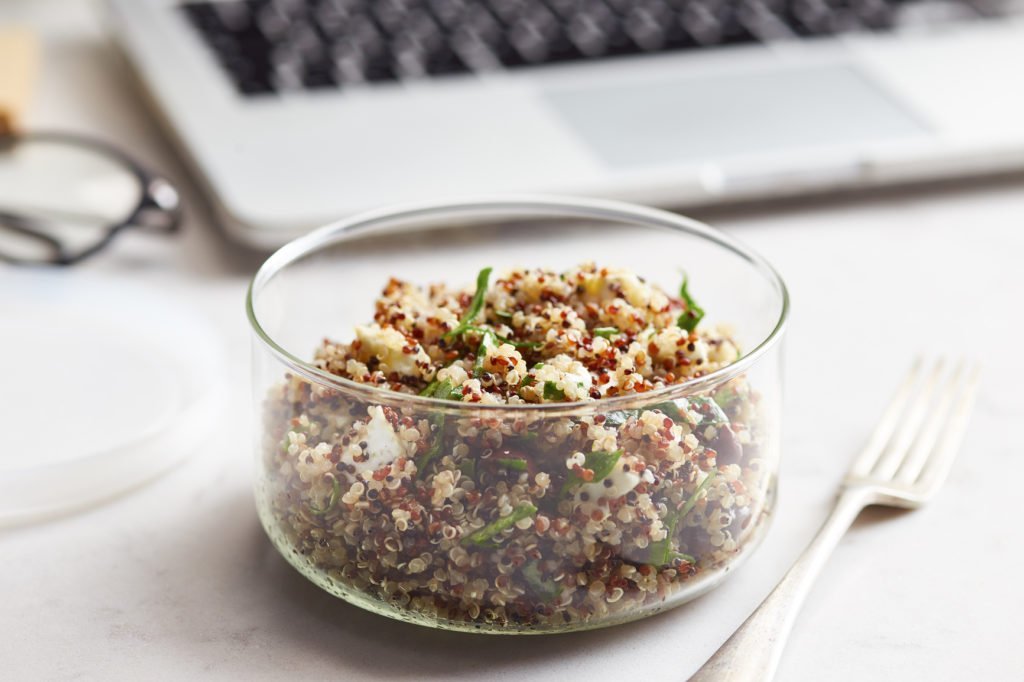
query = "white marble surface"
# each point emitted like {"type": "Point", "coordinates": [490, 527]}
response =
{"type": "Point", "coordinates": [176, 580]}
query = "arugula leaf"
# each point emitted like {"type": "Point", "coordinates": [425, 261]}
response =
{"type": "Point", "coordinates": [620, 417]}
{"type": "Point", "coordinates": [331, 501]}
{"type": "Point", "coordinates": [670, 410]}
{"type": "Point", "coordinates": [710, 412]}
{"type": "Point", "coordinates": [475, 305]}
{"type": "Point", "coordinates": [484, 535]}
{"type": "Point", "coordinates": [600, 462]}
{"type": "Point", "coordinates": [617, 418]}
{"type": "Point", "coordinates": [692, 501]}
{"type": "Point", "coordinates": [693, 314]}
{"type": "Point", "coordinates": [726, 397]}
{"type": "Point", "coordinates": [661, 552]}
{"type": "Point", "coordinates": [552, 391]}
{"type": "Point", "coordinates": [606, 332]}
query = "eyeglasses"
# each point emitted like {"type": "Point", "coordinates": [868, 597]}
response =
{"type": "Point", "coordinates": [63, 197]}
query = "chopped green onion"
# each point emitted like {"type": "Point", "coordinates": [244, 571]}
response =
{"type": "Point", "coordinates": [475, 305]}
{"type": "Point", "coordinates": [483, 536]}
{"type": "Point", "coordinates": [512, 463]}
{"type": "Point", "coordinates": [693, 314]}
{"type": "Point", "coordinates": [505, 315]}
{"type": "Point", "coordinates": [606, 332]}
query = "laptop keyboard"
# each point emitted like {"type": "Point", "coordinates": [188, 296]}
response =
{"type": "Point", "coordinates": [269, 46]}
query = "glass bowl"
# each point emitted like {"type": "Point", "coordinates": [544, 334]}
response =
{"type": "Point", "coordinates": [495, 535]}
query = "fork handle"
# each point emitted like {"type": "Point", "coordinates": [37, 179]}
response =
{"type": "Point", "coordinates": [754, 650]}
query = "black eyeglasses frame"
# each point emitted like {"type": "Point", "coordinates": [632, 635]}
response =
{"type": "Point", "coordinates": [158, 208]}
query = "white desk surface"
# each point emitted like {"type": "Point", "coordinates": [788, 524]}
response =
{"type": "Point", "coordinates": [176, 580]}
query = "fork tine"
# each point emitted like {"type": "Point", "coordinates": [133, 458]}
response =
{"type": "Point", "coordinates": [914, 462]}
{"type": "Point", "coordinates": [910, 427]}
{"type": "Point", "coordinates": [941, 461]}
{"type": "Point", "coordinates": [888, 423]}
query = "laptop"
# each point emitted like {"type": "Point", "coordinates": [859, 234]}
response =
{"type": "Point", "coordinates": [295, 113]}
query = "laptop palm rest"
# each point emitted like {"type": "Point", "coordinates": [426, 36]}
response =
{"type": "Point", "coordinates": [713, 117]}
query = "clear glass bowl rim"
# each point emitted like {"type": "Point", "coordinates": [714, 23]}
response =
{"type": "Point", "coordinates": [526, 206]}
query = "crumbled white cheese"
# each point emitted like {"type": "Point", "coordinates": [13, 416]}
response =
{"type": "Point", "coordinates": [386, 345]}
{"type": "Point", "coordinates": [383, 446]}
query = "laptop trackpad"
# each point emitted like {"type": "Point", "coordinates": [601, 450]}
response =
{"type": "Point", "coordinates": [700, 118]}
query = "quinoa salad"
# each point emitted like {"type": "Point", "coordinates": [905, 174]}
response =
{"type": "Point", "coordinates": [450, 513]}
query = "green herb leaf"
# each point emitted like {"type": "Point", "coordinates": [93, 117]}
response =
{"type": "Point", "coordinates": [475, 305]}
{"type": "Point", "coordinates": [503, 314]}
{"type": "Point", "coordinates": [606, 332]}
{"type": "Point", "coordinates": [552, 391]}
{"type": "Point", "coordinates": [692, 501]}
{"type": "Point", "coordinates": [331, 501]}
{"type": "Point", "coordinates": [693, 314]}
{"type": "Point", "coordinates": [435, 448]}
{"type": "Point", "coordinates": [547, 590]}
{"type": "Point", "coordinates": [600, 462]}
{"type": "Point", "coordinates": [468, 467]}
{"type": "Point", "coordinates": [443, 390]}
{"type": "Point", "coordinates": [484, 535]}
{"type": "Point", "coordinates": [670, 410]}
{"type": "Point", "coordinates": [710, 412]}
{"type": "Point", "coordinates": [661, 552]}
{"type": "Point", "coordinates": [618, 418]}
{"type": "Point", "coordinates": [512, 463]}
{"type": "Point", "coordinates": [528, 380]}
{"type": "Point", "coordinates": [726, 397]}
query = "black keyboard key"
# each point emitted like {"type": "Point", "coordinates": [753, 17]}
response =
{"type": "Point", "coordinates": [319, 75]}
{"type": "Point", "coordinates": [271, 45]}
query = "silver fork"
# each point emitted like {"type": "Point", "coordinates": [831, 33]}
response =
{"type": "Point", "coordinates": [903, 465]}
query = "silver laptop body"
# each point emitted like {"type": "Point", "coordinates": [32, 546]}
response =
{"type": "Point", "coordinates": [296, 113]}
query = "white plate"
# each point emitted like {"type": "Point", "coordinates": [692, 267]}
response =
{"type": "Point", "coordinates": [103, 386]}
